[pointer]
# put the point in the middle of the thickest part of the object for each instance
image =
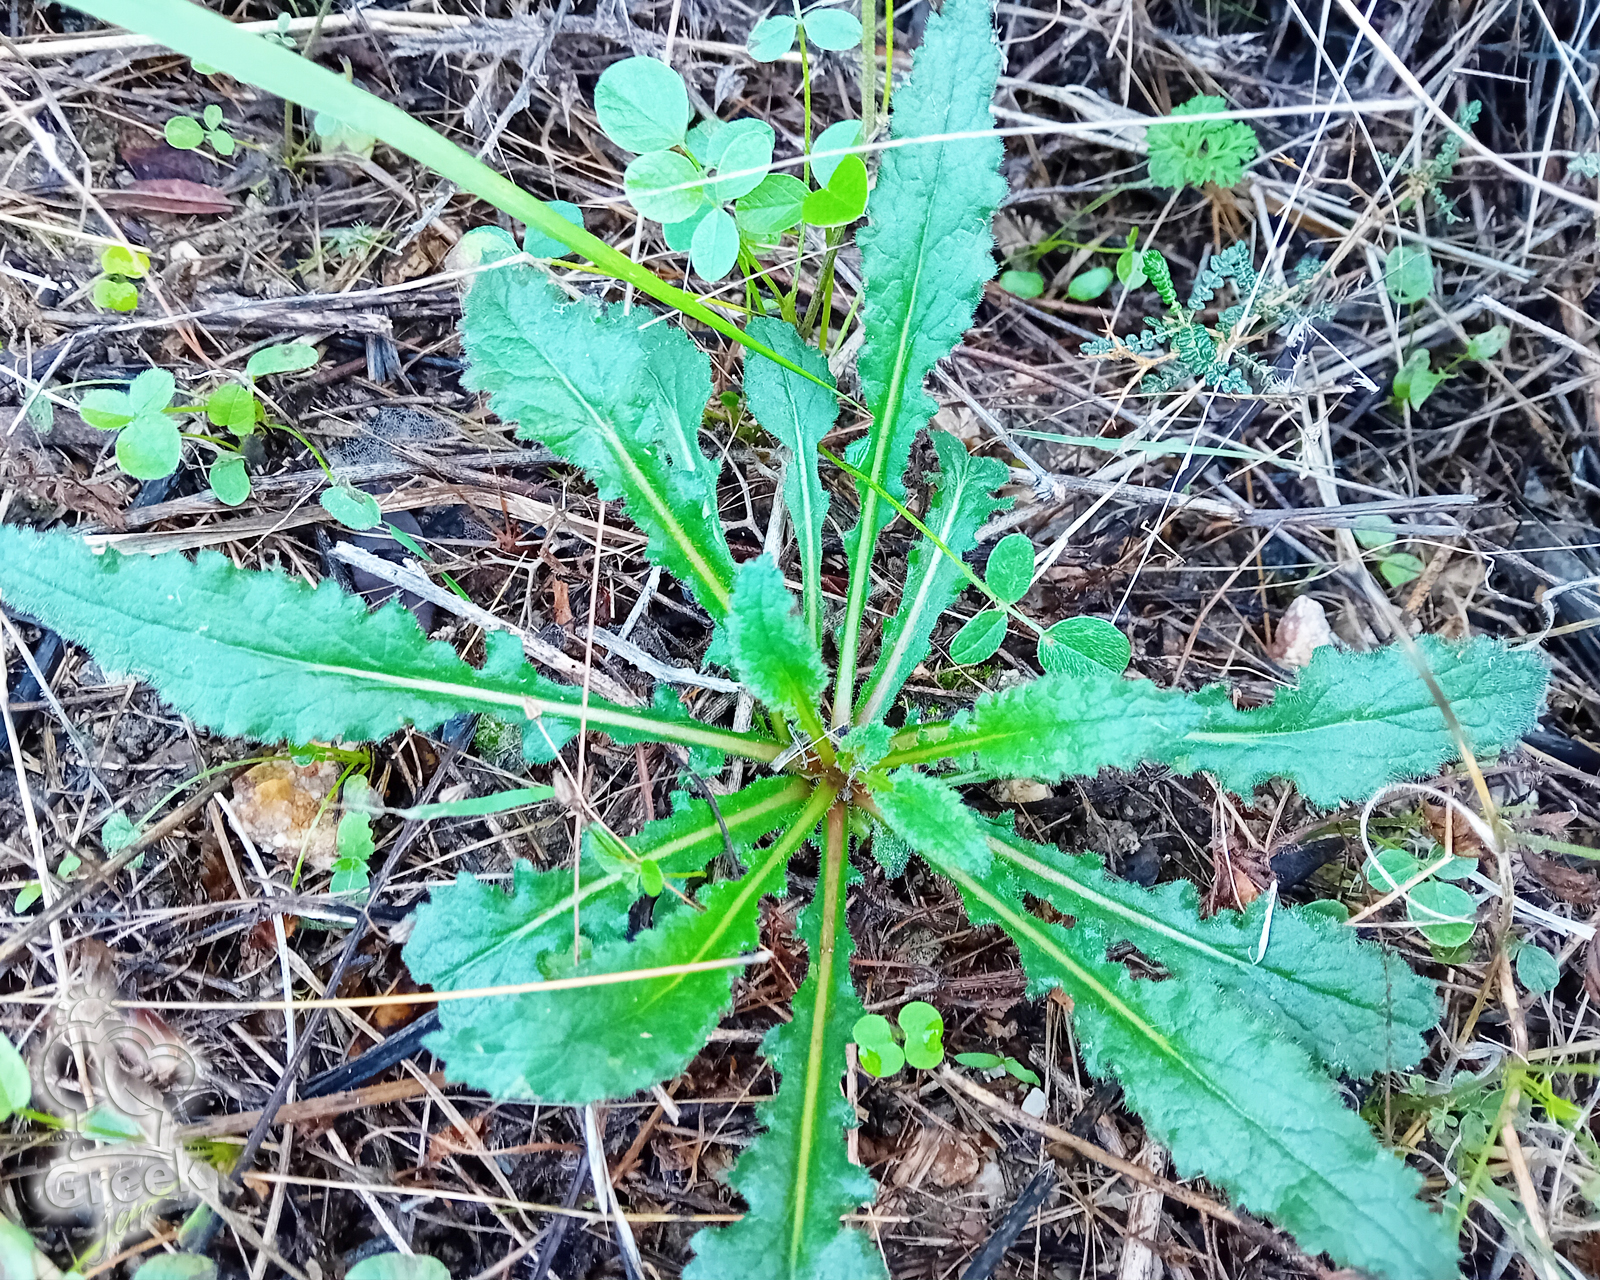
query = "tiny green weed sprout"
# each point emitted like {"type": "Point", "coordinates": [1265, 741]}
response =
{"type": "Point", "coordinates": [1377, 533]}
{"type": "Point", "coordinates": [1022, 284]}
{"type": "Point", "coordinates": [994, 1063]}
{"type": "Point", "coordinates": [821, 26]}
{"type": "Point", "coordinates": [917, 1042]}
{"type": "Point", "coordinates": [1174, 348]}
{"type": "Point", "coordinates": [114, 288]}
{"type": "Point", "coordinates": [1130, 262]}
{"type": "Point", "coordinates": [149, 445]}
{"type": "Point", "coordinates": [188, 134]}
{"type": "Point", "coordinates": [1408, 273]}
{"type": "Point", "coordinates": [1231, 1061]}
{"type": "Point", "coordinates": [1426, 179]}
{"type": "Point", "coordinates": [353, 840]}
{"type": "Point", "coordinates": [1088, 285]}
{"type": "Point", "coordinates": [1416, 379]}
{"type": "Point", "coordinates": [1207, 151]}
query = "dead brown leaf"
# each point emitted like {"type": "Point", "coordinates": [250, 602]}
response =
{"type": "Point", "coordinates": [1577, 887]}
{"type": "Point", "coordinates": [168, 195]}
{"type": "Point", "coordinates": [938, 1156]}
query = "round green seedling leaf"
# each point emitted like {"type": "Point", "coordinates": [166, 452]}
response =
{"type": "Point", "coordinates": [643, 106]}
{"type": "Point", "coordinates": [843, 200]}
{"type": "Point", "coordinates": [1388, 870]}
{"type": "Point", "coordinates": [151, 391]}
{"type": "Point", "coordinates": [1084, 647]}
{"type": "Point", "coordinates": [1010, 570]}
{"type": "Point", "coordinates": [650, 878]}
{"type": "Point", "coordinates": [654, 182]}
{"type": "Point", "coordinates": [1332, 908]}
{"type": "Point", "coordinates": [1088, 285]}
{"type": "Point", "coordinates": [26, 897]}
{"type": "Point", "coordinates": [833, 29]}
{"type": "Point", "coordinates": [1400, 568]}
{"type": "Point", "coordinates": [1444, 912]}
{"type": "Point", "coordinates": [184, 132]}
{"type": "Point", "coordinates": [740, 146]}
{"type": "Point", "coordinates": [177, 1266]}
{"type": "Point", "coordinates": [233, 406]}
{"type": "Point", "coordinates": [351, 508]}
{"type": "Point", "coordinates": [978, 640]}
{"type": "Point", "coordinates": [16, 1086]}
{"type": "Point", "coordinates": [1022, 284]}
{"type": "Point", "coordinates": [1537, 969]}
{"type": "Point", "coordinates": [876, 1048]}
{"type": "Point", "coordinates": [149, 447]}
{"type": "Point", "coordinates": [1130, 262]}
{"type": "Point", "coordinates": [1489, 343]}
{"type": "Point", "coordinates": [1408, 273]}
{"type": "Point", "coordinates": [221, 142]}
{"type": "Point", "coordinates": [714, 247]}
{"type": "Point", "coordinates": [212, 116]}
{"type": "Point", "coordinates": [538, 245]}
{"type": "Point", "coordinates": [118, 833]}
{"type": "Point", "coordinates": [112, 294]}
{"type": "Point", "coordinates": [229, 480]}
{"type": "Point", "coordinates": [771, 38]}
{"type": "Point", "coordinates": [680, 235]}
{"type": "Point", "coordinates": [981, 1061]}
{"type": "Point", "coordinates": [1373, 532]}
{"type": "Point", "coordinates": [771, 208]}
{"type": "Point", "coordinates": [834, 138]}
{"type": "Point", "coordinates": [105, 409]}
{"type": "Point", "coordinates": [286, 357]}
{"type": "Point", "coordinates": [924, 1032]}
{"type": "Point", "coordinates": [398, 1266]}
{"type": "Point", "coordinates": [119, 260]}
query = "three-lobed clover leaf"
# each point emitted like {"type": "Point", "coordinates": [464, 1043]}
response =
{"type": "Point", "coordinates": [149, 444]}
{"type": "Point", "coordinates": [1191, 155]}
{"type": "Point", "coordinates": [120, 266]}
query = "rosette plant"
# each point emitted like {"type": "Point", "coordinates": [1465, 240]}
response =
{"type": "Point", "coordinates": [1230, 1059]}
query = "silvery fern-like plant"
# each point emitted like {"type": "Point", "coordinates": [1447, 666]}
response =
{"type": "Point", "coordinates": [1230, 1059]}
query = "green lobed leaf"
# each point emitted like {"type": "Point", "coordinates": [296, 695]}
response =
{"type": "Point", "coordinates": [232, 405]}
{"type": "Point", "coordinates": [773, 652]}
{"type": "Point", "coordinates": [351, 507]}
{"type": "Point", "coordinates": [120, 260]}
{"type": "Point", "coordinates": [1229, 1096]}
{"type": "Point", "coordinates": [184, 132]}
{"type": "Point", "coordinates": [1537, 969]}
{"type": "Point", "coordinates": [961, 505]}
{"type": "Point", "coordinates": [925, 255]}
{"type": "Point", "coordinates": [1352, 1005]}
{"type": "Point", "coordinates": [1058, 726]}
{"type": "Point", "coordinates": [799, 413]}
{"type": "Point", "coordinates": [1357, 721]}
{"type": "Point", "coordinates": [1022, 284]}
{"type": "Point", "coordinates": [257, 654]}
{"type": "Point", "coordinates": [1195, 154]}
{"type": "Point", "coordinates": [796, 1177]}
{"type": "Point", "coordinates": [398, 1266]}
{"type": "Point", "coordinates": [583, 1045]}
{"type": "Point", "coordinates": [621, 401]}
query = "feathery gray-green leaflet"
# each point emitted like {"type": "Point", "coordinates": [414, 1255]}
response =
{"type": "Point", "coordinates": [1212, 1058]}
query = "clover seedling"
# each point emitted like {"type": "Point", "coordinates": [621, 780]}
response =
{"type": "Point", "coordinates": [188, 134]}
{"type": "Point", "coordinates": [994, 1062]}
{"type": "Point", "coordinates": [824, 27]}
{"type": "Point", "coordinates": [1008, 576]}
{"type": "Point", "coordinates": [1191, 155]}
{"type": "Point", "coordinates": [1416, 379]}
{"type": "Point", "coordinates": [883, 1049]}
{"type": "Point", "coordinates": [120, 266]}
{"type": "Point", "coordinates": [1443, 912]}
{"type": "Point", "coordinates": [148, 442]}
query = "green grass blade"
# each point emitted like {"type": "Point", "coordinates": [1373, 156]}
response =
{"type": "Point", "coordinates": [210, 38]}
